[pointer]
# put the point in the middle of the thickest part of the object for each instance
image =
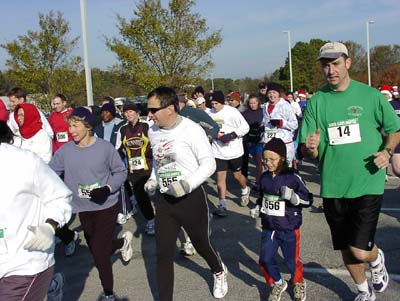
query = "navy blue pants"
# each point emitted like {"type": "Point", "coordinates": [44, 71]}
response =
{"type": "Point", "coordinates": [289, 242]}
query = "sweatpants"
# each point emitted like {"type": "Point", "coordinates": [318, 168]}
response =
{"type": "Point", "coordinates": [137, 181]}
{"type": "Point", "coordinates": [26, 288]}
{"type": "Point", "coordinates": [192, 213]}
{"type": "Point", "coordinates": [289, 242]}
{"type": "Point", "coordinates": [98, 228]}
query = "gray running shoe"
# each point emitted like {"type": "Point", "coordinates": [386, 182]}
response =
{"type": "Point", "coordinates": [277, 291]}
{"type": "Point", "coordinates": [221, 211]}
{"type": "Point", "coordinates": [127, 250]}
{"type": "Point", "coordinates": [55, 292]}
{"type": "Point", "coordinates": [299, 291]}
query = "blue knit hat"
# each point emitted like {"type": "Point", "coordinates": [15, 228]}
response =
{"type": "Point", "coordinates": [84, 113]}
{"type": "Point", "coordinates": [110, 108]}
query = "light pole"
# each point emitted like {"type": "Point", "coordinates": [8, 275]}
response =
{"type": "Point", "coordinates": [368, 59]}
{"type": "Point", "coordinates": [88, 75]}
{"type": "Point", "coordinates": [290, 60]}
{"type": "Point", "coordinates": [212, 81]}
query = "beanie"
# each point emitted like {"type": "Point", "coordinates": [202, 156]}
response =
{"type": "Point", "coordinates": [276, 145]}
{"type": "Point", "coordinates": [84, 114]}
{"type": "Point", "coordinates": [274, 86]}
{"type": "Point", "coordinates": [235, 96]}
{"type": "Point", "coordinates": [130, 106]}
{"type": "Point", "coordinates": [218, 96]}
{"type": "Point", "coordinates": [110, 108]}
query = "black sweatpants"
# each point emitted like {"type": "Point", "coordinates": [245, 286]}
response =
{"type": "Point", "coordinates": [137, 181]}
{"type": "Point", "coordinates": [192, 213]}
{"type": "Point", "coordinates": [98, 228]}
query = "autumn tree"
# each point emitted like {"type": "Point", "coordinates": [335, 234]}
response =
{"type": "Point", "coordinates": [35, 57]}
{"type": "Point", "coordinates": [164, 45]}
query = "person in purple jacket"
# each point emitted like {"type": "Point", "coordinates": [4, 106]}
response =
{"type": "Point", "coordinates": [94, 172]}
{"type": "Point", "coordinates": [283, 196]}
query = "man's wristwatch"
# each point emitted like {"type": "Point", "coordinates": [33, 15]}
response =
{"type": "Point", "coordinates": [390, 151]}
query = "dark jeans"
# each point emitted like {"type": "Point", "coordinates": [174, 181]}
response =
{"type": "Point", "coordinates": [98, 228]}
{"type": "Point", "coordinates": [192, 213]}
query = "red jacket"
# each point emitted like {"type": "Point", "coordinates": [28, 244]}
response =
{"type": "Point", "coordinates": [59, 124]}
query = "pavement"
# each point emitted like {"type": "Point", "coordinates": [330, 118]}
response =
{"type": "Point", "coordinates": [237, 239]}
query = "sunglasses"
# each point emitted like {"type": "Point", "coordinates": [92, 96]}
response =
{"type": "Point", "coordinates": [155, 110]}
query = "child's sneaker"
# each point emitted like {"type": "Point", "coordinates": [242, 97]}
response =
{"type": "Point", "coordinates": [277, 291]}
{"type": "Point", "coordinates": [300, 291]}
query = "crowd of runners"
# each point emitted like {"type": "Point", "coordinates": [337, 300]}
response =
{"type": "Point", "coordinates": [104, 163]}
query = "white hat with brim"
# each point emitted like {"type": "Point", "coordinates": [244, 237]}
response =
{"type": "Point", "coordinates": [332, 50]}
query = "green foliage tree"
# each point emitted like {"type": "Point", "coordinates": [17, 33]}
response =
{"type": "Point", "coordinates": [35, 57]}
{"type": "Point", "coordinates": [167, 46]}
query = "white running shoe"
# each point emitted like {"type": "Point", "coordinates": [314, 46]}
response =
{"type": "Point", "coordinates": [108, 298]}
{"type": "Point", "coordinates": [150, 228]}
{"type": "Point", "coordinates": [244, 199]}
{"type": "Point", "coordinates": [379, 275]}
{"type": "Point", "coordinates": [55, 292]}
{"type": "Point", "coordinates": [366, 296]}
{"type": "Point", "coordinates": [220, 283]}
{"type": "Point", "coordinates": [127, 250]}
{"type": "Point", "coordinates": [70, 248]}
{"type": "Point", "coordinates": [188, 249]}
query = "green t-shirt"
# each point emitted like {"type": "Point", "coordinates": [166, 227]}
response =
{"type": "Point", "coordinates": [350, 123]}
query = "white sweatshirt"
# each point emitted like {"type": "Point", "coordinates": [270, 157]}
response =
{"type": "Point", "coordinates": [181, 153]}
{"type": "Point", "coordinates": [41, 144]}
{"type": "Point", "coordinates": [229, 120]}
{"type": "Point", "coordinates": [282, 110]}
{"type": "Point", "coordinates": [30, 193]}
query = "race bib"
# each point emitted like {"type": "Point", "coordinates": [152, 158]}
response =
{"type": "Point", "coordinates": [271, 205]}
{"type": "Point", "coordinates": [62, 136]}
{"type": "Point", "coordinates": [3, 245]}
{"type": "Point", "coordinates": [136, 163]}
{"type": "Point", "coordinates": [344, 132]}
{"type": "Point", "coordinates": [269, 134]}
{"type": "Point", "coordinates": [168, 177]}
{"type": "Point", "coordinates": [85, 189]}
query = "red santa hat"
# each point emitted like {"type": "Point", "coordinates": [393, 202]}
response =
{"type": "Point", "coordinates": [302, 93]}
{"type": "Point", "coordinates": [385, 89]}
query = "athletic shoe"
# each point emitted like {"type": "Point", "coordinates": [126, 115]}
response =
{"type": "Point", "coordinates": [244, 199]}
{"type": "Point", "coordinates": [221, 211]}
{"type": "Point", "coordinates": [188, 249]}
{"type": "Point", "coordinates": [300, 291]}
{"type": "Point", "coordinates": [55, 292]}
{"type": "Point", "coordinates": [123, 218]}
{"type": "Point", "coordinates": [70, 248]}
{"type": "Point", "coordinates": [366, 296]}
{"type": "Point", "coordinates": [379, 275]}
{"type": "Point", "coordinates": [220, 283]}
{"type": "Point", "coordinates": [150, 228]}
{"type": "Point", "coordinates": [108, 298]}
{"type": "Point", "coordinates": [277, 291]}
{"type": "Point", "coordinates": [127, 250]}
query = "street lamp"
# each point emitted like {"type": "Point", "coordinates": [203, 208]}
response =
{"type": "Point", "coordinates": [290, 60]}
{"type": "Point", "coordinates": [368, 59]}
{"type": "Point", "coordinates": [212, 81]}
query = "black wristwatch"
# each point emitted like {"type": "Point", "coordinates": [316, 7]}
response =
{"type": "Point", "coordinates": [390, 151]}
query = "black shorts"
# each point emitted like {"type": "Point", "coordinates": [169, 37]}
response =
{"type": "Point", "coordinates": [353, 221]}
{"type": "Point", "coordinates": [233, 164]}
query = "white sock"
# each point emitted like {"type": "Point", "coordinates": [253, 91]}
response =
{"type": "Point", "coordinates": [363, 287]}
{"type": "Point", "coordinates": [377, 261]}
{"type": "Point", "coordinates": [279, 282]}
{"type": "Point", "coordinates": [222, 203]}
{"type": "Point", "coordinates": [245, 190]}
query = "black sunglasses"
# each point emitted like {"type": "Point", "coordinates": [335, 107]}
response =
{"type": "Point", "coordinates": [155, 110]}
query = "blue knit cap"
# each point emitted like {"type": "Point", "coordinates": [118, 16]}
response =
{"type": "Point", "coordinates": [84, 113]}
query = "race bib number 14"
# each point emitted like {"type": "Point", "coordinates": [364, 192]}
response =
{"type": "Point", "coordinates": [344, 132]}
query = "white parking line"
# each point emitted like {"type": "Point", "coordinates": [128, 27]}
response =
{"type": "Point", "coordinates": [337, 272]}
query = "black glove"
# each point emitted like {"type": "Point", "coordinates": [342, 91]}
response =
{"type": "Point", "coordinates": [100, 195]}
{"type": "Point", "coordinates": [277, 122]}
{"type": "Point", "coordinates": [228, 137]}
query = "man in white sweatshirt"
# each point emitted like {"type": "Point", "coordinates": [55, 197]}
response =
{"type": "Point", "coordinates": [182, 161]}
{"type": "Point", "coordinates": [34, 203]}
{"type": "Point", "coordinates": [228, 148]}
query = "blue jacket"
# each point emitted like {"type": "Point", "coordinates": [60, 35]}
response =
{"type": "Point", "coordinates": [290, 218]}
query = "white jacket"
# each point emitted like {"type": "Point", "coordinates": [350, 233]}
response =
{"type": "Point", "coordinates": [41, 144]}
{"type": "Point", "coordinates": [229, 120]}
{"type": "Point", "coordinates": [282, 110]}
{"type": "Point", "coordinates": [30, 193]}
{"type": "Point", "coordinates": [12, 124]}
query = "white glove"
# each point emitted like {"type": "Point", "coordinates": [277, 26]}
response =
{"type": "Point", "coordinates": [150, 187]}
{"type": "Point", "coordinates": [289, 195]}
{"type": "Point", "coordinates": [42, 239]}
{"type": "Point", "coordinates": [255, 212]}
{"type": "Point", "coordinates": [179, 188]}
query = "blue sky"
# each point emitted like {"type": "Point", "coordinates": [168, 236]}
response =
{"type": "Point", "coordinates": [253, 40]}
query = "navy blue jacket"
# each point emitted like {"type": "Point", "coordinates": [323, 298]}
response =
{"type": "Point", "coordinates": [270, 188]}
{"type": "Point", "coordinates": [99, 130]}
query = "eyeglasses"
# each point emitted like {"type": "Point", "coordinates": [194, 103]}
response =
{"type": "Point", "coordinates": [155, 110]}
{"type": "Point", "coordinates": [265, 160]}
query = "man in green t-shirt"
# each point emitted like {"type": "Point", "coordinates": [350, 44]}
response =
{"type": "Point", "coordinates": [342, 128]}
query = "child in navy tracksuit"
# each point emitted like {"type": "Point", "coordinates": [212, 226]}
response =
{"type": "Point", "coordinates": [283, 196]}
